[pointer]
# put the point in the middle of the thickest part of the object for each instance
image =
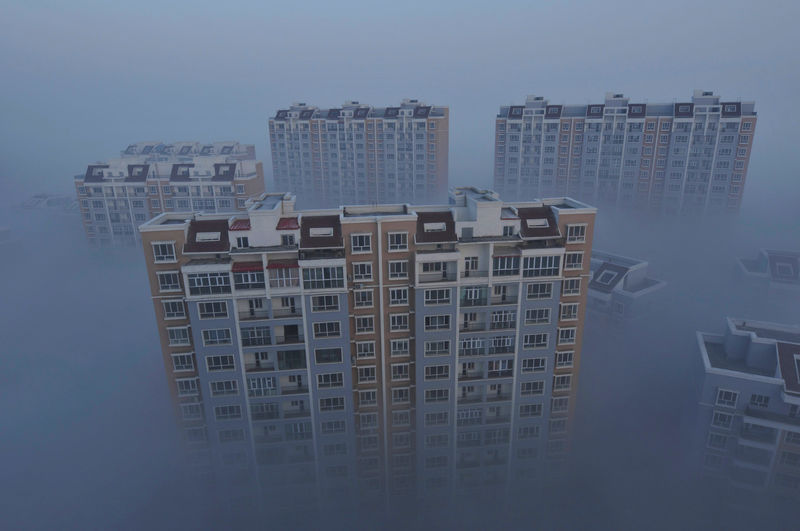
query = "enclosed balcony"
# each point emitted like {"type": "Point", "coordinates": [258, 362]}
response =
{"type": "Point", "coordinates": [437, 271]}
{"type": "Point", "coordinates": [470, 371]}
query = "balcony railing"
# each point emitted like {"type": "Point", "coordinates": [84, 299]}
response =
{"type": "Point", "coordinates": [473, 326]}
{"type": "Point", "coordinates": [470, 399]}
{"type": "Point", "coordinates": [508, 299]}
{"type": "Point", "coordinates": [286, 312]}
{"type": "Point", "coordinates": [249, 285]}
{"type": "Point", "coordinates": [436, 276]}
{"type": "Point", "coordinates": [473, 351]}
{"type": "Point", "coordinates": [501, 349]}
{"type": "Point", "coordinates": [502, 397]}
{"type": "Point", "coordinates": [297, 413]}
{"type": "Point", "coordinates": [259, 366]}
{"type": "Point", "coordinates": [503, 325]}
{"type": "Point", "coordinates": [253, 315]}
{"type": "Point", "coordinates": [266, 415]}
{"type": "Point", "coordinates": [504, 373]}
{"type": "Point", "coordinates": [321, 254]}
{"type": "Point", "coordinates": [495, 419]}
{"type": "Point", "coordinates": [471, 375]}
{"type": "Point", "coordinates": [472, 273]}
{"type": "Point", "coordinates": [255, 341]}
{"type": "Point", "coordinates": [284, 282]}
{"type": "Point", "coordinates": [289, 340]}
{"type": "Point", "coordinates": [474, 302]}
{"type": "Point", "coordinates": [294, 389]}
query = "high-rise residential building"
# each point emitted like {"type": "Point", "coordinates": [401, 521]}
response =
{"type": "Point", "coordinates": [360, 154]}
{"type": "Point", "coordinates": [387, 346]}
{"type": "Point", "coordinates": [689, 156]}
{"type": "Point", "coordinates": [749, 413]}
{"type": "Point", "coordinates": [150, 178]}
{"type": "Point", "coordinates": [617, 284]}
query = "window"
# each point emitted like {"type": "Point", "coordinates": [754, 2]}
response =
{"type": "Point", "coordinates": [169, 281]}
{"type": "Point", "coordinates": [362, 271]}
{"type": "Point", "coordinates": [328, 355]}
{"type": "Point", "coordinates": [540, 290]}
{"type": "Point", "coordinates": [224, 387]}
{"type": "Point", "coordinates": [541, 266]}
{"type": "Point", "coordinates": [368, 421]}
{"type": "Point", "coordinates": [228, 412]}
{"type": "Point", "coordinates": [256, 336]}
{"type": "Point", "coordinates": [438, 440]}
{"type": "Point", "coordinates": [242, 242]}
{"type": "Point", "coordinates": [398, 297]}
{"type": "Point", "coordinates": [173, 309]}
{"type": "Point", "coordinates": [437, 372]}
{"type": "Point", "coordinates": [164, 252]}
{"type": "Point", "coordinates": [327, 329]}
{"type": "Point", "coordinates": [182, 362]}
{"type": "Point", "coordinates": [722, 420]}
{"type": "Point", "coordinates": [249, 280]}
{"type": "Point", "coordinates": [508, 230]}
{"type": "Point", "coordinates": [759, 401]}
{"type": "Point", "coordinates": [366, 374]}
{"type": "Point", "coordinates": [178, 336]}
{"type": "Point", "coordinates": [534, 365]}
{"type": "Point", "coordinates": [398, 322]}
{"type": "Point", "coordinates": [329, 427]}
{"type": "Point", "coordinates": [209, 283]}
{"type": "Point", "coordinates": [437, 322]}
{"type": "Point", "coordinates": [220, 363]}
{"type": "Point", "coordinates": [562, 382]}
{"type": "Point", "coordinates": [398, 269]}
{"type": "Point", "coordinates": [537, 316]}
{"type": "Point", "coordinates": [331, 404]}
{"type": "Point", "coordinates": [573, 261]}
{"type": "Point", "coordinates": [727, 398]}
{"type": "Point", "coordinates": [437, 395]}
{"type": "Point", "coordinates": [399, 347]}
{"type": "Point", "coordinates": [213, 310]}
{"type": "Point", "coordinates": [505, 265]}
{"type": "Point", "coordinates": [262, 386]}
{"type": "Point", "coordinates": [532, 388]}
{"type": "Point", "coordinates": [576, 233]}
{"type": "Point", "coordinates": [324, 303]}
{"type": "Point", "coordinates": [530, 410]}
{"type": "Point", "coordinates": [323, 277]}
{"type": "Point", "coordinates": [571, 286]}
{"type": "Point", "coordinates": [437, 296]}
{"type": "Point", "coordinates": [792, 437]}
{"type": "Point", "coordinates": [363, 298]}
{"type": "Point", "coordinates": [401, 418]}
{"type": "Point", "coordinates": [401, 395]}
{"type": "Point", "coordinates": [287, 239]}
{"type": "Point", "coordinates": [534, 340]}
{"type": "Point", "coordinates": [437, 348]}
{"type": "Point", "coordinates": [564, 359]}
{"type": "Point", "coordinates": [365, 349]}
{"type": "Point", "coordinates": [528, 432]}
{"type": "Point", "coordinates": [365, 325]}
{"type": "Point", "coordinates": [192, 411]}
{"type": "Point", "coordinates": [187, 386]}
{"type": "Point", "coordinates": [361, 243]}
{"type": "Point", "coordinates": [400, 371]}
{"type": "Point", "coordinates": [398, 241]}
{"type": "Point", "coordinates": [569, 311]}
{"type": "Point", "coordinates": [439, 418]}
{"type": "Point", "coordinates": [717, 441]}
{"type": "Point", "coordinates": [368, 398]}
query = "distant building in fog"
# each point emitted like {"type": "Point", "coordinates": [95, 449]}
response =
{"type": "Point", "coordinates": [360, 154]}
{"type": "Point", "coordinates": [689, 156]}
{"type": "Point", "coordinates": [149, 178]}
{"type": "Point", "coordinates": [617, 283]}
{"type": "Point", "coordinates": [749, 410]}
{"type": "Point", "coordinates": [424, 344]}
{"type": "Point", "coordinates": [775, 269]}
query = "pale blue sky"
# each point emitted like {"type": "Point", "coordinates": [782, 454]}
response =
{"type": "Point", "coordinates": [81, 80]}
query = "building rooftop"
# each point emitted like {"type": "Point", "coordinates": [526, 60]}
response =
{"type": "Point", "coordinates": [779, 266]}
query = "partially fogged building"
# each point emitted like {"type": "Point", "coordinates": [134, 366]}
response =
{"type": "Point", "coordinates": [150, 178]}
{"type": "Point", "coordinates": [378, 348]}
{"type": "Point", "coordinates": [749, 411]}
{"type": "Point", "coordinates": [618, 282]}
{"type": "Point", "coordinates": [361, 154]}
{"type": "Point", "coordinates": [774, 269]}
{"type": "Point", "coordinates": [686, 156]}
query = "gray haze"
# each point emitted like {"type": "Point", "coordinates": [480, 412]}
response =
{"type": "Point", "coordinates": [86, 434]}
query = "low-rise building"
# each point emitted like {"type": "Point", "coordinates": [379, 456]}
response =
{"type": "Point", "coordinates": [617, 284]}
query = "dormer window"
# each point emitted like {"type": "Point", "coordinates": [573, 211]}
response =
{"type": "Point", "coordinates": [607, 278]}
{"type": "Point", "coordinates": [207, 237]}
{"type": "Point", "coordinates": [315, 232]}
{"type": "Point", "coordinates": [683, 108]}
{"type": "Point", "coordinates": [730, 108]}
{"type": "Point", "coordinates": [538, 223]}
{"type": "Point", "coordinates": [435, 227]}
{"type": "Point", "coordinates": [784, 270]}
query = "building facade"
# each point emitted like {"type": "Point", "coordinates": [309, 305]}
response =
{"type": "Point", "coordinates": [360, 154]}
{"type": "Point", "coordinates": [150, 178]}
{"type": "Point", "coordinates": [388, 349]}
{"type": "Point", "coordinates": [618, 283]}
{"type": "Point", "coordinates": [664, 157]}
{"type": "Point", "coordinates": [749, 412]}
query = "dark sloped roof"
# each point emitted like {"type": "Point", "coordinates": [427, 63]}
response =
{"type": "Point", "coordinates": [137, 173]}
{"type": "Point", "coordinates": [316, 242]}
{"type": "Point", "coordinates": [543, 212]}
{"type": "Point", "coordinates": [210, 225]}
{"type": "Point", "coordinates": [224, 171]}
{"type": "Point", "coordinates": [789, 261]}
{"type": "Point", "coordinates": [175, 172]}
{"type": "Point", "coordinates": [447, 235]}
{"type": "Point", "coordinates": [90, 177]}
{"type": "Point", "coordinates": [788, 365]}
{"type": "Point", "coordinates": [608, 288]}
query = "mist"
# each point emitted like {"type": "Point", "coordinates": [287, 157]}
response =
{"type": "Point", "coordinates": [88, 435]}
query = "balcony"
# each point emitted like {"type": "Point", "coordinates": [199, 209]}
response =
{"type": "Point", "coordinates": [475, 273]}
{"type": "Point", "coordinates": [279, 313]}
{"type": "Point", "coordinates": [473, 326]}
{"type": "Point", "coordinates": [501, 349]}
{"type": "Point", "coordinates": [473, 351]}
{"type": "Point", "coordinates": [474, 302]}
{"type": "Point", "coordinates": [496, 419]}
{"type": "Point", "coordinates": [265, 415]}
{"type": "Point", "coordinates": [470, 375]}
{"type": "Point", "coordinates": [502, 397]}
{"type": "Point", "coordinates": [263, 438]}
{"type": "Point", "coordinates": [503, 325]}
{"type": "Point", "coordinates": [253, 315]}
{"type": "Point", "coordinates": [243, 286]}
{"type": "Point", "coordinates": [294, 389]}
{"type": "Point", "coordinates": [298, 413]}
{"type": "Point", "coordinates": [436, 276]}
{"type": "Point", "coordinates": [289, 340]}
{"type": "Point", "coordinates": [470, 399]}
{"type": "Point", "coordinates": [255, 341]}
{"type": "Point", "coordinates": [504, 373]}
{"type": "Point", "coordinates": [508, 299]}
{"type": "Point", "coordinates": [259, 366]}
{"type": "Point", "coordinates": [321, 254]}
{"type": "Point", "coordinates": [292, 282]}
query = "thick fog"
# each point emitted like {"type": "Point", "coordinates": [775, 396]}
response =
{"type": "Point", "coordinates": [87, 435]}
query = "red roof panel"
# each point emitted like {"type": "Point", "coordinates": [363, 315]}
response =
{"type": "Point", "coordinates": [241, 267]}
{"type": "Point", "coordinates": [288, 224]}
{"type": "Point", "coordinates": [240, 224]}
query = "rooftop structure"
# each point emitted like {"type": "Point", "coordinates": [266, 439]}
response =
{"type": "Point", "coordinates": [617, 283]}
{"type": "Point", "coordinates": [689, 156]}
{"type": "Point", "coordinates": [778, 269]}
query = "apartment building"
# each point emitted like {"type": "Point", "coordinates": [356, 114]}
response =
{"type": "Point", "coordinates": [774, 269]}
{"type": "Point", "coordinates": [618, 284]}
{"type": "Point", "coordinates": [383, 348]}
{"type": "Point", "coordinates": [360, 154]}
{"type": "Point", "coordinates": [749, 410]}
{"type": "Point", "coordinates": [149, 178]}
{"type": "Point", "coordinates": [689, 156]}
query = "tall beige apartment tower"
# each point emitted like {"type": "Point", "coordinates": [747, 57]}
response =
{"type": "Point", "coordinates": [360, 154]}
{"type": "Point", "coordinates": [686, 156]}
{"type": "Point", "coordinates": [381, 348]}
